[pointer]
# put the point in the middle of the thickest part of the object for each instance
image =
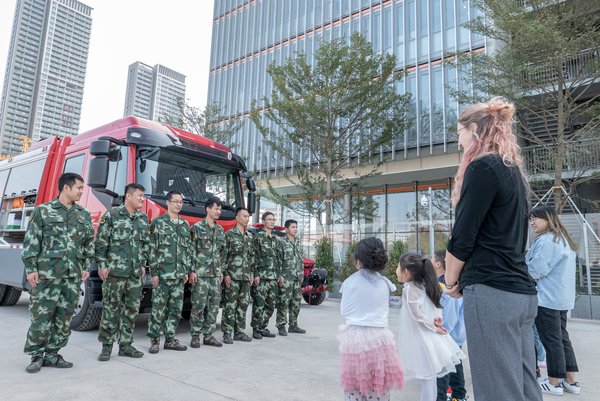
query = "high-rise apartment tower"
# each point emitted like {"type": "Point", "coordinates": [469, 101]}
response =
{"type": "Point", "coordinates": [45, 71]}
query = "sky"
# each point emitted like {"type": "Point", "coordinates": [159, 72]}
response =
{"type": "Point", "coordinates": [174, 33]}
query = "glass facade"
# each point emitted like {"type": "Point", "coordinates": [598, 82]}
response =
{"type": "Point", "coordinates": [390, 213]}
{"type": "Point", "coordinates": [249, 35]}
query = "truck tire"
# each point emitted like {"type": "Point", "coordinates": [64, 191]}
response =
{"type": "Point", "coordinates": [11, 296]}
{"type": "Point", "coordinates": [314, 298]}
{"type": "Point", "coordinates": [2, 291]}
{"type": "Point", "coordinates": [85, 317]}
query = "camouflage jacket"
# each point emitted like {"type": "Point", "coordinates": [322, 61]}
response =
{"type": "Point", "coordinates": [293, 259]}
{"type": "Point", "coordinates": [122, 242]}
{"type": "Point", "coordinates": [169, 256]}
{"type": "Point", "coordinates": [268, 256]}
{"type": "Point", "coordinates": [59, 241]}
{"type": "Point", "coordinates": [208, 249]}
{"type": "Point", "coordinates": [240, 255]}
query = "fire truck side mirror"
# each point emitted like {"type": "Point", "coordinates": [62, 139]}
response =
{"type": "Point", "coordinates": [98, 172]}
{"type": "Point", "coordinates": [100, 147]}
{"type": "Point", "coordinates": [251, 204]}
{"type": "Point", "coordinates": [250, 185]}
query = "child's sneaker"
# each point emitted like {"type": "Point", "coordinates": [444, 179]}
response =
{"type": "Point", "coordinates": [572, 388]}
{"type": "Point", "coordinates": [549, 388]}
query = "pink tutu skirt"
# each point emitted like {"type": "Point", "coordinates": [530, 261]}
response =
{"type": "Point", "coordinates": [369, 360]}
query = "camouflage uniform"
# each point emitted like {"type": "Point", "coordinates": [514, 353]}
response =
{"type": "Point", "coordinates": [59, 246]}
{"type": "Point", "coordinates": [290, 293]}
{"type": "Point", "coordinates": [208, 250]}
{"type": "Point", "coordinates": [169, 260]}
{"type": "Point", "coordinates": [240, 267]}
{"type": "Point", "coordinates": [121, 247]}
{"type": "Point", "coordinates": [267, 254]}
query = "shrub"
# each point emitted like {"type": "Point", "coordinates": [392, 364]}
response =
{"type": "Point", "coordinates": [324, 257]}
{"type": "Point", "coordinates": [394, 252]}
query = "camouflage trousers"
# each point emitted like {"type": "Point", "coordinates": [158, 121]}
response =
{"type": "Point", "coordinates": [290, 294]}
{"type": "Point", "coordinates": [237, 296]}
{"type": "Point", "coordinates": [265, 300]}
{"type": "Point", "coordinates": [121, 304]}
{"type": "Point", "coordinates": [206, 296]}
{"type": "Point", "coordinates": [52, 305]}
{"type": "Point", "coordinates": [167, 302]}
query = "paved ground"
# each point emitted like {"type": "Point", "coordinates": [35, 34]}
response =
{"type": "Point", "coordinates": [297, 367]}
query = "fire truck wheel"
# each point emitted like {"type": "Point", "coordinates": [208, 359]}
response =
{"type": "Point", "coordinates": [85, 317]}
{"type": "Point", "coordinates": [2, 291]}
{"type": "Point", "coordinates": [315, 298]}
{"type": "Point", "coordinates": [11, 296]}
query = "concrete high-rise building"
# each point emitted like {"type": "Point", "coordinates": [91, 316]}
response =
{"type": "Point", "coordinates": [153, 92]}
{"type": "Point", "coordinates": [45, 71]}
{"type": "Point", "coordinates": [250, 35]}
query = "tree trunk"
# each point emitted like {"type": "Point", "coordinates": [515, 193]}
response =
{"type": "Point", "coordinates": [561, 146]}
{"type": "Point", "coordinates": [328, 199]}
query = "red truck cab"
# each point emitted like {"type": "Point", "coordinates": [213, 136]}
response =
{"type": "Point", "coordinates": [159, 157]}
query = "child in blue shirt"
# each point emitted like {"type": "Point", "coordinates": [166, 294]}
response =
{"type": "Point", "coordinates": [454, 322]}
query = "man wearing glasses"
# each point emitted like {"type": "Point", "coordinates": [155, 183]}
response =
{"type": "Point", "coordinates": [170, 264]}
{"type": "Point", "coordinates": [268, 259]}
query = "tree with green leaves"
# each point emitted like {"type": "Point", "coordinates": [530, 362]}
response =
{"type": "Point", "coordinates": [333, 119]}
{"type": "Point", "coordinates": [211, 122]}
{"type": "Point", "coordinates": [543, 55]}
{"type": "Point", "coordinates": [324, 257]}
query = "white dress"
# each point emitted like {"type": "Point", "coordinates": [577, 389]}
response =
{"type": "Point", "coordinates": [424, 353]}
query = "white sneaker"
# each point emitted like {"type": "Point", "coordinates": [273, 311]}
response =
{"type": "Point", "coordinates": [571, 388]}
{"type": "Point", "coordinates": [548, 388]}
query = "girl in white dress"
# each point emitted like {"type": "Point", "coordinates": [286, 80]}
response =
{"type": "Point", "coordinates": [426, 350]}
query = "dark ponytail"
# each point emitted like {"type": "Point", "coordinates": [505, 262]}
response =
{"type": "Point", "coordinates": [422, 272]}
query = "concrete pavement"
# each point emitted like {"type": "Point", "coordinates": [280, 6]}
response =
{"type": "Point", "coordinates": [296, 367]}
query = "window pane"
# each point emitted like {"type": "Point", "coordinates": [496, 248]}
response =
{"type": "Point", "coordinates": [25, 178]}
{"type": "Point", "coordinates": [74, 164]}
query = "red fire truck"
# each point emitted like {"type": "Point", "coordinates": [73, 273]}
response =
{"type": "Point", "coordinates": [160, 157]}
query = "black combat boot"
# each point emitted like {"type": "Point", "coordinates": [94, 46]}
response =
{"type": "Point", "coordinates": [129, 350]}
{"type": "Point", "coordinates": [266, 333]}
{"type": "Point", "coordinates": [227, 338]}
{"type": "Point", "coordinates": [35, 365]}
{"type": "Point", "coordinates": [296, 329]}
{"type": "Point", "coordinates": [56, 361]}
{"type": "Point", "coordinates": [105, 353]}
{"type": "Point", "coordinates": [174, 344]}
{"type": "Point", "coordinates": [256, 335]}
{"type": "Point", "coordinates": [195, 343]}
{"type": "Point", "coordinates": [154, 345]}
{"type": "Point", "coordinates": [241, 336]}
{"type": "Point", "coordinates": [282, 331]}
{"type": "Point", "coordinates": [213, 342]}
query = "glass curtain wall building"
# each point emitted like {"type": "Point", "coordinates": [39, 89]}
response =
{"type": "Point", "coordinates": [45, 71]}
{"type": "Point", "coordinates": [250, 35]}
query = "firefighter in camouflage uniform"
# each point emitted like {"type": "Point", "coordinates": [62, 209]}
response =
{"type": "Point", "coordinates": [290, 293]}
{"type": "Point", "coordinates": [267, 278]}
{"type": "Point", "coordinates": [122, 246]}
{"type": "Point", "coordinates": [208, 250]}
{"type": "Point", "coordinates": [57, 251]}
{"type": "Point", "coordinates": [169, 262]}
{"type": "Point", "coordinates": [237, 278]}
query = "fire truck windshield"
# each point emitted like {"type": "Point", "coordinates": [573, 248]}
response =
{"type": "Point", "coordinates": [161, 171]}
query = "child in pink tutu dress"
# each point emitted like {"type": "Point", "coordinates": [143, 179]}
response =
{"type": "Point", "coordinates": [425, 347]}
{"type": "Point", "coordinates": [370, 367]}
